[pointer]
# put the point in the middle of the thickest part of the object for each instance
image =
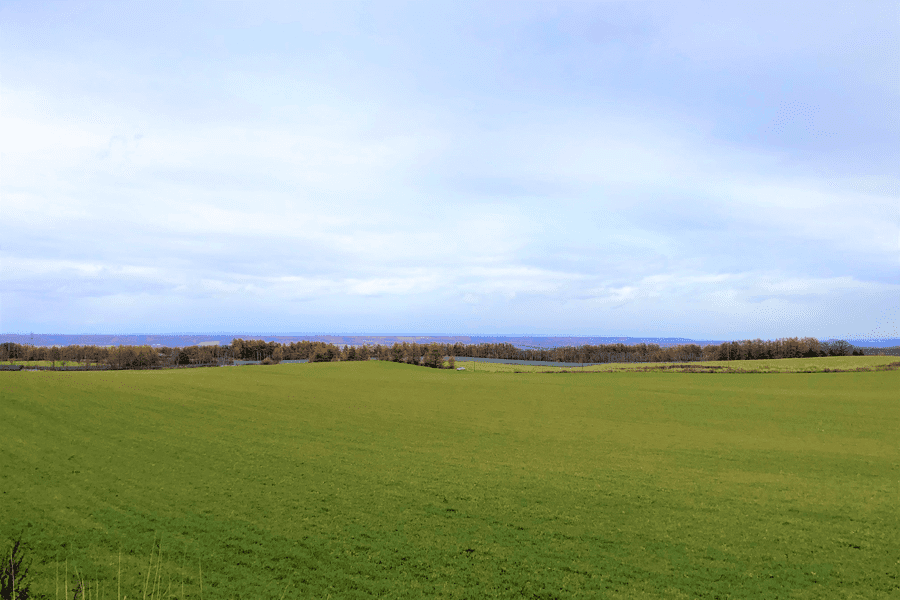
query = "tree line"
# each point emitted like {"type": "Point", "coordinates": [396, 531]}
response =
{"type": "Point", "coordinates": [115, 357]}
{"type": "Point", "coordinates": [432, 355]}
{"type": "Point", "coordinates": [615, 353]}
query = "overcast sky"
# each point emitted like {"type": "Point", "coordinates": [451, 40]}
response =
{"type": "Point", "coordinates": [711, 170]}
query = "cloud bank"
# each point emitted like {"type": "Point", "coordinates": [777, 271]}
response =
{"type": "Point", "coordinates": [605, 168]}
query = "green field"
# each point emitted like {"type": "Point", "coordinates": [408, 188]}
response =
{"type": "Point", "coordinates": [372, 479]}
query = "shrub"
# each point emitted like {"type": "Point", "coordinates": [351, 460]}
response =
{"type": "Point", "coordinates": [434, 357]}
{"type": "Point", "coordinates": [278, 355]}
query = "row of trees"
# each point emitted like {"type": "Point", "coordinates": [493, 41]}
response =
{"type": "Point", "coordinates": [424, 354]}
{"type": "Point", "coordinates": [116, 357]}
{"type": "Point", "coordinates": [611, 353]}
{"type": "Point", "coordinates": [782, 348]}
{"type": "Point", "coordinates": [432, 355]}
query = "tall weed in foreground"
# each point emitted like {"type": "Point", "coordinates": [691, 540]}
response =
{"type": "Point", "coordinates": [13, 577]}
{"type": "Point", "coordinates": [157, 583]}
{"type": "Point", "coordinates": [13, 584]}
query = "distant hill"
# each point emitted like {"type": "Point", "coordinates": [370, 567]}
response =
{"type": "Point", "coordinates": [889, 343]}
{"type": "Point", "coordinates": [180, 340]}
{"type": "Point", "coordinates": [193, 339]}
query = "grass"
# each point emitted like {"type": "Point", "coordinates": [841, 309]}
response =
{"type": "Point", "coordinates": [357, 480]}
{"type": "Point", "coordinates": [784, 365]}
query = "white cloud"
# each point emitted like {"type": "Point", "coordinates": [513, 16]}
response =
{"type": "Point", "coordinates": [567, 167]}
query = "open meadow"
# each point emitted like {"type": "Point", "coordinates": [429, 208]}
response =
{"type": "Point", "coordinates": [374, 479]}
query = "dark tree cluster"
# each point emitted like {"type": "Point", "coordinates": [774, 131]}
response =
{"type": "Point", "coordinates": [420, 354]}
{"type": "Point", "coordinates": [615, 353]}
{"type": "Point", "coordinates": [115, 357]}
{"type": "Point", "coordinates": [807, 347]}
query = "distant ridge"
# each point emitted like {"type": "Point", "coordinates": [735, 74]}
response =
{"type": "Point", "coordinates": [520, 341]}
{"type": "Point", "coordinates": [191, 339]}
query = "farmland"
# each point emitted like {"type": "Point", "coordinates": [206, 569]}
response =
{"type": "Point", "coordinates": [374, 479]}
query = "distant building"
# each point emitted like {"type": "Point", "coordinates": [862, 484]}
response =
{"type": "Point", "coordinates": [208, 343]}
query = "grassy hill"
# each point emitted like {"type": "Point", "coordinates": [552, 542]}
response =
{"type": "Point", "coordinates": [356, 480]}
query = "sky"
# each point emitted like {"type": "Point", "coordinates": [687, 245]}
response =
{"type": "Point", "coordinates": [709, 170]}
